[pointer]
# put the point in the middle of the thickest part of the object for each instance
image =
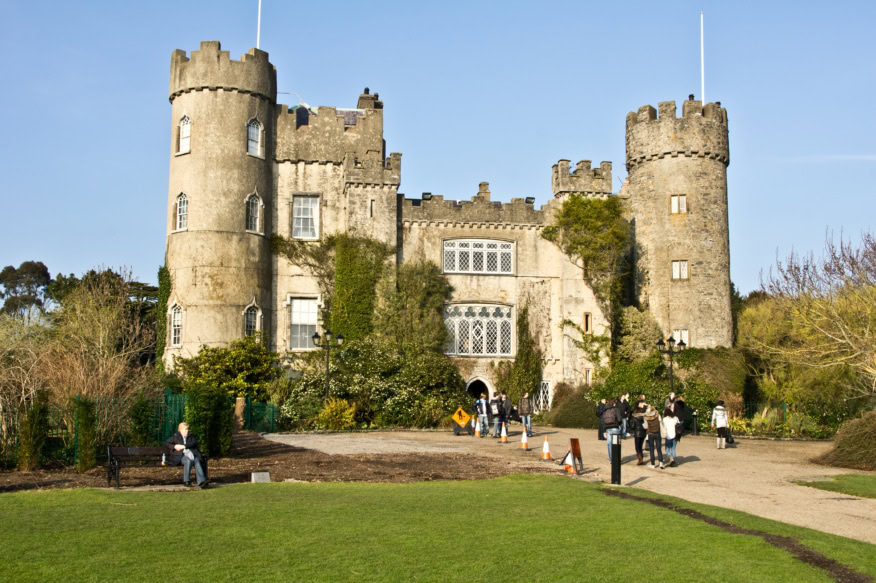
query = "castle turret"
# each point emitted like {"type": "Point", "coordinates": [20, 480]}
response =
{"type": "Point", "coordinates": [678, 203]}
{"type": "Point", "coordinates": [583, 180]}
{"type": "Point", "coordinates": [221, 184]}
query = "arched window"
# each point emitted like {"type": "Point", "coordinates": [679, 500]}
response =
{"type": "Point", "coordinates": [182, 212]}
{"type": "Point", "coordinates": [252, 213]}
{"type": "Point", "coordinates": [185, 135]}
{"type": "Point", "coordinates": [175, 326]}
{"type": "Point", "coordinates": [250, 321]}
{"type": "Point", "coordinates": [254, 137]}
{"type": "Point", "coordinates": [476, 330]}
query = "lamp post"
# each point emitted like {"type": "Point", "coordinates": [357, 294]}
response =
{"type": "Point", "coordinates": [668, 348]}
{"type": "Point", "coordinates": [326, 344]}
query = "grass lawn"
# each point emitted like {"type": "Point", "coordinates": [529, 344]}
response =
{"type": "Point", "coordinates": [519, 528]}
{"type": "Point", "coordinates": [860, 485]}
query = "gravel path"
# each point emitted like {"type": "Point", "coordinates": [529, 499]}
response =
{"type": "Point", "coordinates": [754, 477]}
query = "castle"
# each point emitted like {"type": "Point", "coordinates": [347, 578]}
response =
{"type": "Point", "coordinates": [243, 168]}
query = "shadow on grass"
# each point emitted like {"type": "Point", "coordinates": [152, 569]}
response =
{"type": "Point", "coordinates": [801, 552]}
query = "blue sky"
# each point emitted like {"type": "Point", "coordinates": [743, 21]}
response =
{"type": "Point", "coordinates": [495, 91]}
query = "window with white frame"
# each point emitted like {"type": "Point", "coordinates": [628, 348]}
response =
{"type": "Point", "coordinates": [250, 321]}
{"type": "Point", "coordinates": [588, 376]}
{"type": "Point", "coordinates": [185, 135]}
{"type": "Point", "coordinates": [175, 326]}
{"type": "Point", "coordinates": [305, 216]}
{"type": "Point", "coordinates": [254, 138]}
{"type": "Point", "coordinates": [253, 205]}
{"type": "Point", "coordinates": [303, 320]}
{"type": "Point", "coordinates": [479, 330]}
{"type": "Point", "coordinates": [478, 256]}
{"type": "Point", "coordinates": [681, 335]}
{"type": "Point", "coordinates": [182, 212]}
{"type": "Point", "coordinates": [678, 204]}
{"type": "Point", "coordinates": [679, 269]}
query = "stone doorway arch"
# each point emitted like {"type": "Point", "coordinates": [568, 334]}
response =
{"type": "Point", "coordinates": [477, 386]}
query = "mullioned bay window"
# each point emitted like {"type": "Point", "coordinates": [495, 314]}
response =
{"type": "Point", "coordinates": [479, 330]}
{"type": "Point", "coordinates": [478, 256]}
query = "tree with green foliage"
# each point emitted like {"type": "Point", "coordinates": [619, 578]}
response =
{"type": "Point", "coordinates": [24, 289]}
{"type": "Point", "coordinates": [210, 415]}
{"type": "Point", "coordinates": [32, 433]}
{"type": "Point", "coordinates": [525, 373]}
{"type": "Point", "coordinates": [245, 368]}
{"type": "Point", "coordinates": [410, 306]}
{"type": "Point", "coordinates": [161, 305]}
{"type": "Point", "coordinates": [86, 434]}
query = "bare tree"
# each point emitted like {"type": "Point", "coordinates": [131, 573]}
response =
{"type": "Point", "coordinates": [831, 304]}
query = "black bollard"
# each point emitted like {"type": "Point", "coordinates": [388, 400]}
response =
{"type": "Point", "coordinates": [696, 426]}
{"type": "Point", "coordinates": [615, 459]}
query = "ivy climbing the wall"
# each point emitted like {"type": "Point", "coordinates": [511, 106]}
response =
{"type": "Point", "coordinates": [161, 314]}
{"type": "Point", "coordinates": [524, 374]}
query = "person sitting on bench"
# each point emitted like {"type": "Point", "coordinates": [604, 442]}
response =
{"type": "Point", "coordinates": [186, 452]}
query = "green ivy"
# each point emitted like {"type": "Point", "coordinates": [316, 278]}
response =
{"type": "Point", "coordinates": [525, 374]}
{"type": "Point", "coordinates": [245, 368]}
{"type": "Point", "coordinates": [358, 265]}
{"type": "Point", "coordinates": [33, 432]}
{"type": "Point", "coordinates": [86, 434]}
{"type": "Point", "coordinates": [164, 285]}
{"type": "Point", "coordinates": [210, 415]}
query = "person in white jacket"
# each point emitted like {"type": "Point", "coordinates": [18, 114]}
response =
{"type": "Point", "coordinates": [670, 425]}
{"type": "Point", "coordinates": [721, 421]}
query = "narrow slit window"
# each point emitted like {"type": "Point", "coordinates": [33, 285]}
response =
{"type": "Point", "coordinates": [588, 322]}
{"type": "Point", "coordinates": [176, 326]}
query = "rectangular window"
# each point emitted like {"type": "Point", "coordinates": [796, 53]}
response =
{"type": "Point", "coordinates": [678, 204]}
{"type": "Point", "coordinates": [371, 209]}
{"type": "Point", "coordinates": [681, 334]}
{"type": "Point", "coordinates": [588, 322]}
{"type": "Point", "coordinates": [588, 376]}
{"type": "Point", "coordinates": [478, 256]}
{"type": "Point", "coordinates": [302, 318]}
{"type": "Point", "coordinates": [679, 269]}
{"type": "Point", "coordinates": [305, 217]}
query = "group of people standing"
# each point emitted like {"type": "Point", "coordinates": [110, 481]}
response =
{"type": "Point", "coordinates": [644, 423]}
{"type": "Point", "coordinates": [498, 412]}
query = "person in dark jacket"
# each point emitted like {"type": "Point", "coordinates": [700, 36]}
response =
{"type": "Point", "coordinates": [495, 413]}
{"type": "Point", "coordinates": [611, 420]}
{"type": "Point", "coordinates": [186, 452]}
{"type": "Point", "coordinates": [637, 425]}
{"type": "Point", "coordinates": [524, 408]}
{"type": "Point", "coordinates": [680, 411]}
{"type": "Point", "coordinates": [625, 410]}
{"type": "Point", "coordinates": [482, 407]}
{"type": "Point", "coordinates": [600, 409]}
{"type": "Point", "coordinates": [505, 411]}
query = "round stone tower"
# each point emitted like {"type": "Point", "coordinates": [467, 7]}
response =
{"type": "Point", "coordinates": [219, 198]}
{"type": "Point", "coordinates": [678, 204]}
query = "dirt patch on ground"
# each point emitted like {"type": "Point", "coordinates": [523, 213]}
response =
{"type": "Point", "coordinates": [803, 553]}
{"type": "Point", "coordinates": [253, 453]}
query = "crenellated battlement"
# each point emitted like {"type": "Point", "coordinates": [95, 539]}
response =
{"type": "Point", "coordinates": [373, 169]}
{"type": "Point", "coordinates": [700, 132]}
{"type": "Point", "coordinates": [330, 133]}
{"type": "Point", "coordinates": [212, 69]}
{"type": "Point", "coordinates": [584, 179]}
{"type": "Point", "coordinates": [433, 208]}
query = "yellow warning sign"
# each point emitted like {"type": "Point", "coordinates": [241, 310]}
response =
{"type": "Point", "coordinates": [461, 417]}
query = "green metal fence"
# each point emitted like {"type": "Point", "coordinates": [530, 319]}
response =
{"type": "Point", "coordinates": [113, 424]}
{"type": "Point", "coordinates": [260, 417]}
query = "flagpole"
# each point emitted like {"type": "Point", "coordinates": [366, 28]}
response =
{"type": "Point", "coordinates": [702, 60]}
{"type": "Point", "coordinates": [259, 26]}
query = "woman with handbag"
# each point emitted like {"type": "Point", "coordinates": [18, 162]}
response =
{"type": "Point", "coordinates": [656, 431]}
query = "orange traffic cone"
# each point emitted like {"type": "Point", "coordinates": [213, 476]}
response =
{"type": "Point", "coordinates": [569, 463]}
{"type": "Point", "coordinates": [504, 438]}
{"type": "Point", "coordinates": [524, 441]}
{"type": "Point", "coordinates": [477, 431]}
{"type": "Point", "coordinates": [546, 451]}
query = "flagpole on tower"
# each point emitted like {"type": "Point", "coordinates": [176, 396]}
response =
{"type": "Point", "coordinates": [259, 26]}
{"type": "Point", "coordinates": [702, 60]}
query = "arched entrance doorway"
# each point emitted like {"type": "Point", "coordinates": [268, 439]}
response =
{"type": "Point", "coordinates": [476, 387]}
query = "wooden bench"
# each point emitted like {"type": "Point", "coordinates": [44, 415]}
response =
{"type": "Point", "coordinates": [143, 456]}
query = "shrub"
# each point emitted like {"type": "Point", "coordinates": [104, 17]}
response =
{"type": "Point", "coordinates": [336, 415]}
{"type": "Point", "coordinates": [142, 430]}
{"type": "Point", "coordinates": [86, 434]}
{"type": "Point", "coordinates": [210, 415]}
{"type": "Point", "coordinates": [577, 410]}
{"type": "Point", "coordinates": [245, 368]}
{"type": "Point", "coordinates": [853, 446]}
{"type": "Point", "coordinates": [32, 433]}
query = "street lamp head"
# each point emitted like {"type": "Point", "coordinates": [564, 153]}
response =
{"type": "Point", "coordinates": [661, 345]}
{"type": "Point", "coordinates": [340, 339]}
{"type": "Point", "coordinates": [328, 336]}
{"type": "Point", "coordinates": [671, 341]}
{"type": "Point", "coordinates": [316, 339]}
{"type": "Point", "coordinates": [681, 344]}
